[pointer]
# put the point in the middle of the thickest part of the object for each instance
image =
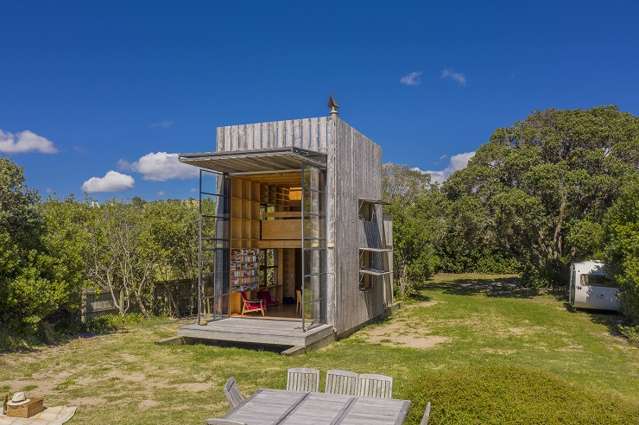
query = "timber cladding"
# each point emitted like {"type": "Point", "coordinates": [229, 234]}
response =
{"type": "Point", "coordinates": [353, 172]}
{"type": "Point", "coordinates": [306, 133]}
{"type": "Point", "coordinates": [358, 168]}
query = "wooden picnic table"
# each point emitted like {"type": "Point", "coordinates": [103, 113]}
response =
{"type": "Point", "coordinates": [274, 407]}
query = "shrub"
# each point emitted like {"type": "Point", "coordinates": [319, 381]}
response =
{"type": "Point", "coordinates": [508, 395]}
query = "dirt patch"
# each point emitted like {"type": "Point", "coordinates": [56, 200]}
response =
{"type": "Point", "coordinates": [87, 401]}
{"type": "Point", "coordinates": [127, 376]}
{"type": "Point", "coordinates": [501, 352]}
{"type": "Point", "coordinates": [35, 386]}
{"type": "Point", "coordinates": [423, 342]}
{"type": "Point", "coordinates": [397, 333]}
{"type": "Point", "coordinates": [570, 348]}
{"type": "Point", "coordinates": [129, 358]}
{"type": "Point", "coordinates": [148, 404]}
{"type": "Point", "coordinates": [423, 304]}
{"type": "Point", "coordinates": [194, 387]}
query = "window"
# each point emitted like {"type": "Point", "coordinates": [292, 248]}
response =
{"type": "Point", "coordinates": [366, 210]}
{"type": "Point", "coordinates": [268, 268]}
{"type": "Point", "coordinates": [597, 280]}
{"type": "Point", "coordinates": [365, 262]}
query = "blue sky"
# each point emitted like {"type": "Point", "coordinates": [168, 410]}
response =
{"type": "Point", "coordinates": [88, 88]}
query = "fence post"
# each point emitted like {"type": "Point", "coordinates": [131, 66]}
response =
{"type": "Point", "coordinates": [83, 305]}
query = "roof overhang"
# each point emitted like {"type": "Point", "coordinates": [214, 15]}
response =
{"type": "Point", "coordinates": [255, 161]}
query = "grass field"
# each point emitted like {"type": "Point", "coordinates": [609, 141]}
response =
{"type": "Point", "coordinates": [481, 349]}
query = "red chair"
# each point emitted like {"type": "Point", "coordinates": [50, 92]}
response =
{"type": "Point", "coordinates": [265, 295]}
{"type": "Point", "coordinates": [251, 306]}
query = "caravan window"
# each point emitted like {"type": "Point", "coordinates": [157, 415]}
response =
{"type": "Point", "coordinates": [597, 280]}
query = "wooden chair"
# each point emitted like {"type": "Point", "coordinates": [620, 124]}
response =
{"type": "Point", "coordinates": [251, 306]}
{"type": "Point", "coordinates": [217, 421]}
{"type": "Point", "coordinates": [232, 393]}
{"type": "Point", "coordinates": [302, 380]}
{"type": "Point", "coordinates": [375, 386]}
{"type": "Point", "coordinates": [341, 382]}
{"type": "Point", "coordinates": [298, 301]}
{"type": "Point", "coordinates": [426, 415]}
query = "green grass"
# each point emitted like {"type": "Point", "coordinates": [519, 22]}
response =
{"type": "Point", "coordinates": [481, 350]}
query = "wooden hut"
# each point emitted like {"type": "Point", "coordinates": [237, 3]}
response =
{"type": "Point", "coordinates": [294, 249]}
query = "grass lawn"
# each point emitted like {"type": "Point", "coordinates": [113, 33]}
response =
{"type": "Point", "coordinates": [480, 348]}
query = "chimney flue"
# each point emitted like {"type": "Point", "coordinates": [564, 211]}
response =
{"type": "Point", "coordinates": [333, 107]}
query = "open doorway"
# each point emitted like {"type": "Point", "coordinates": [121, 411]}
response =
{"type": "Point", "coordinates": [266, 245]}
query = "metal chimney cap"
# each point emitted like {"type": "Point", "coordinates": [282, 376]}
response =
{"type": "Point", "coordinates": [333, 106]}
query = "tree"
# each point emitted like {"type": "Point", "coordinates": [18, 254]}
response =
{"type": "Point", "coordinates": [173, 228]}
{"type": "Point", "coordinates": [416, 208]}
{"type": "Point", "coordinates": [35, 280]}
{"type": "Point", "coordinates": [621, 236]}
{"type": "Point", "coordinates": [66, 239]}
{"type": "Point", "coordinates": [122, 256]}
{"type": "Point", "coordinates": [545, 180]}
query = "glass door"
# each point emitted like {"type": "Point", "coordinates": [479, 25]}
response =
{"type": "Point", "coordinates": [214, 246]}
{"type": "Point", "coordinates": [313, 214]}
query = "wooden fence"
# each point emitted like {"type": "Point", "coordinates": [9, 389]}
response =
{"type": "Point", "coordinates": [176, 298]}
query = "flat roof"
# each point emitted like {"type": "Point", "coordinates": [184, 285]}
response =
{"type": "Point", "coordinates": [255, 161]}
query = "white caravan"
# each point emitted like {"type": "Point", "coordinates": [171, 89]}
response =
{"type": "Point", "coordinates": [592, 287]}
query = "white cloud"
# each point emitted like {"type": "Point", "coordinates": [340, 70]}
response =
{"type": "Point", "coordinates": [111, 182]}
{"type": "Point", "coordinates": [411, 79]}
{"type": "Point", "coordinates": [159, 166]}
{"type": "Point", "coordinates": [162, 124]}
{"type": "Point", "coordinates": [25, 141]}
{"type": "Point", "coordinates": [124, 165]}
{"type": "Point", "coordinates": [458, 77]}
{"type": "Point", "coordinates": [456, 163]}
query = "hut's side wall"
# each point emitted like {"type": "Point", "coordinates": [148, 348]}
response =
{"type": "Point", "coordinates": [358, 168]}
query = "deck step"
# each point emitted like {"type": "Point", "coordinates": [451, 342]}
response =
{"type": "Point", "coordinates": [257, 331]}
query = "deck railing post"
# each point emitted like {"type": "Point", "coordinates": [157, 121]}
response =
{"type": "Point", "coordinates": [303, 247]}
{"type": "Point", "coordinates": [199, 254]}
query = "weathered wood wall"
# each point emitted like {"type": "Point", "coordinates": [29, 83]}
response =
{"type": "Point", "coordinates": [306, 133]}
{"type": "Point", "coordinates": [358, 166]}
{"type": "Point", "coordinates": [353, 173]}
{"type": "Point", "coordinates": [316, 134]}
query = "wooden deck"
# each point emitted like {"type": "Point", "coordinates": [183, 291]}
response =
{"type": "Point", "coordinates": [258, 331]}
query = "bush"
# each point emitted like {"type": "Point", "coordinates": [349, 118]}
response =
{"type": "Point", "coordinates": [37, 280]}
{"type": "Point", "coordinates": [631, 333]}
{"type": "Point", "coordinates": [512, 395]}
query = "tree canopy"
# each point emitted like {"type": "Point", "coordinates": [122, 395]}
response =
{"type": "Point", "coordinates": [544, 185]}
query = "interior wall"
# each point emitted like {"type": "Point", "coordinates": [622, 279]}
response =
{"type": "Point", "coordinates": [290, 274]}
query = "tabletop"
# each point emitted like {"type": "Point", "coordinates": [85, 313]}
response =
{"type": "Point", "coordinates": [273, 407]}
